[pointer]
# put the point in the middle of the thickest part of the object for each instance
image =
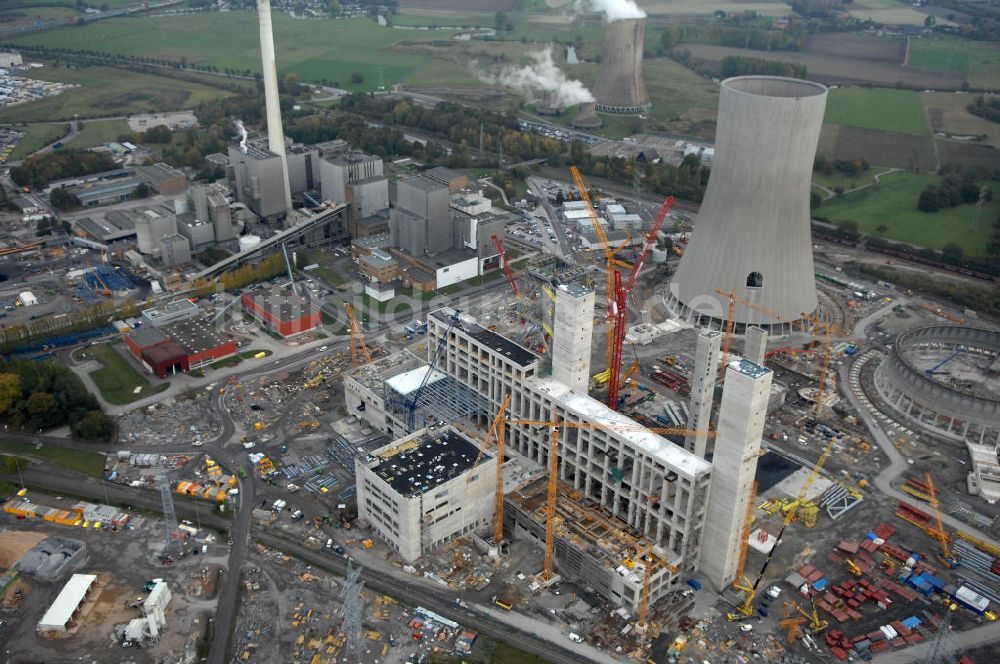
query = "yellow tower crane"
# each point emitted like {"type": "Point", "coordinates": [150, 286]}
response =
{"type": "Point", "coordinates": [554, 426]}
{"type": "Point", "coordinates": [496, 431]}
{"type": "Point", "coordinates": [357, 339]}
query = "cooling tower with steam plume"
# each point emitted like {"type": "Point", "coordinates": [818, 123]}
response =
{"type": "Point", "coordinates": [275, 133]}
{"type": "Point", "coordinates": [621, 85]}
{"type": "Point", "coordinates": [752, 234]}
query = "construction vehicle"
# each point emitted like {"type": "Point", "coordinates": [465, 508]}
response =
{"type": "Point", "coordinates": [853, 568]}
{"type": "Point", "coordinates": [357, 339]}
{"type": "Point", "coordinates": [745, 609]}
{"type": "Point", "coordinates": [816, 624]}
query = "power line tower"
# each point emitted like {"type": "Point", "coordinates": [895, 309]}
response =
{"type": "Point", "coordinates": [169, 517]}
{"type": "Point", "coordinates": [353, 608]}
{"type": "Point", "coordinates": [944, 644]}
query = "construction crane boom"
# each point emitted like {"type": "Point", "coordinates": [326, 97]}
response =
{"type": "Point", "coordinates": [496, 432]}
{"type": "Point", "coordinates": [745, 543]}
{"type": "Point", "coordinates": [357, 339]}
{"type": "Point", "coordinates": [506, 265]}
{"type": "Point", "coordinates": [412, 405]}
{"type": "Point", "coordinates": [727, 339]}
{"type": "Point", "coordinates": [790, 515]}
{"type": "Point", "coordinates": [609, 256]}
{"type": "Point", "coordinates": [620, 310]}
{"type": "Point", "coordinates": [550, 506]}
{"type": "Point", "coordinates": [940, 534]}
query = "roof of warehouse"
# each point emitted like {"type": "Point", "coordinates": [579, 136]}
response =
{"type": "Point", "coordinates": [439, 457]}
{"type": "Point", "coordinates": [285, 305]}
{"type": "Point", "coordinates": [66, 604]}
{"type": "Point", "coordinates": [195, 335]}
{"type": "Point", "coordinates": [147, 336]}
{"type": "Point", "coordinates": [168, 352]}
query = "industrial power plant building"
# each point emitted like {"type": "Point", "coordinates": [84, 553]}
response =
{"type": "Point", "coordinates": [652, 495]}
{"type": "Point", "coordinates": [425, 490]}
{"type": "Point", "coordinates": [753, 235]}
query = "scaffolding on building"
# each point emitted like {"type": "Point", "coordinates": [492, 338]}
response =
{"type": "Point", "coordinates": [441, 400]}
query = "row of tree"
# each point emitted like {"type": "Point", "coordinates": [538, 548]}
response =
{"type": "Point", "coordinates": [41, 168]}
{"type": "Point", "coordinates": [738, 65]}
{"type": "Point", "coordinates": [43, 395]}
{"type": "Point", "coordinates": [848, 167]}
{"type": "Point", "coordinates": [754, 37]}
{"type": "Point", "coordinates": [986, 107]}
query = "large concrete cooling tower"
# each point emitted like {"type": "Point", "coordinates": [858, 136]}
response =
{"type": "Point", "coordinates": [621, 87]}
{"type": "Point", "coordinates": [752, 234]}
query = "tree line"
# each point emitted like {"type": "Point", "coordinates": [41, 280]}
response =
{"type": "Point", "coordinates": [987, 108]}
{"type": "Point", "coordinates": [38, 396]}
{"type": "Point", "coordinates": [738, 65]}
{"type": "Point", "coordinates": [39, 169]}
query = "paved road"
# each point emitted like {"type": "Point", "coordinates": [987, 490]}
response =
{"type": "Point", "coordinates": [956, 642]}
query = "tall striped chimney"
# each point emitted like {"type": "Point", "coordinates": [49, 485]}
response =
{"type": "Point", "coordinates": [275, 134]}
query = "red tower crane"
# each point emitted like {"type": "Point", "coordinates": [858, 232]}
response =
{"type": "Point", "coordinates": [506, 265]}
{"type": "Point", "coordinates": [620, 304]}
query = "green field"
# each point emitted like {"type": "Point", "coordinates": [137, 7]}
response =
{"type": "Point", "coordinates": [838, 179]}
{"type": "Point", "coordinates": [877, 108]}
{"type": "Point", "coordinates": [893, 203]}
{"type": "Point", "coordinates": [37, 137]}
{"type": "Point", "coordinates": [108, 91]}
{"type": "Point", "coordinates": [979, 61]}
{"type": "Point", "coordinates": [330, 50]}
{"type": "Point", "coordinates": [30, 16]}
{"type": "Point", "coordinates": [99, 132]}
{"type": "Point", "coordinates": [88, 463]}
{"type": "Point", "coordinates": [117, 380]}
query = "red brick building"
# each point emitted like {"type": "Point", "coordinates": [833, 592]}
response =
{"type": "Point", "coordinates": [181, 346]}
{"type": "Point", "coordinates": [282, 311]}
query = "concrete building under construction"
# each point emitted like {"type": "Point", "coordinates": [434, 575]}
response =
{"type": "Point", "coordinates": [647, 493]}
{"type": "Point", "coordinates": [753, 235]}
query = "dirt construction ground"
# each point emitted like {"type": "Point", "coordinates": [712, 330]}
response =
{"type": "Point", "coordinates": [14, 544]}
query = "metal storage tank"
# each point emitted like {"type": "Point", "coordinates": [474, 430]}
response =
{"type": "Point", "coordinates": [752, 233]}
{"type": "Point", "coordinates": [248, 242]}
{"type": "Point", "coordinates": [659, 255]}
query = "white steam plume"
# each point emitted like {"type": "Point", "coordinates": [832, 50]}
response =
{"type": "Point", "coordinates": [541, 76]}
{"type": "Point", "coordinates": [243, 136]}
{"type": "Point", "coordinates": [614, 10]}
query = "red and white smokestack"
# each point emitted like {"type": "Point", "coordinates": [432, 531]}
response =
{"type": "Point", "coordinates": [269, 71]}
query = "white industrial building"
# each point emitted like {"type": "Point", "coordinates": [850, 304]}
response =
{"type": "Point", "coordinates": [154, 619]}
{"type": "Point", "coordinates": [66, 604]}
{"type": "Point", "coordinates": [422, 491]}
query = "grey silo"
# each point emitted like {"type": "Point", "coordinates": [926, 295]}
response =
{"type": "Point", "coordinates": [752, 234]}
